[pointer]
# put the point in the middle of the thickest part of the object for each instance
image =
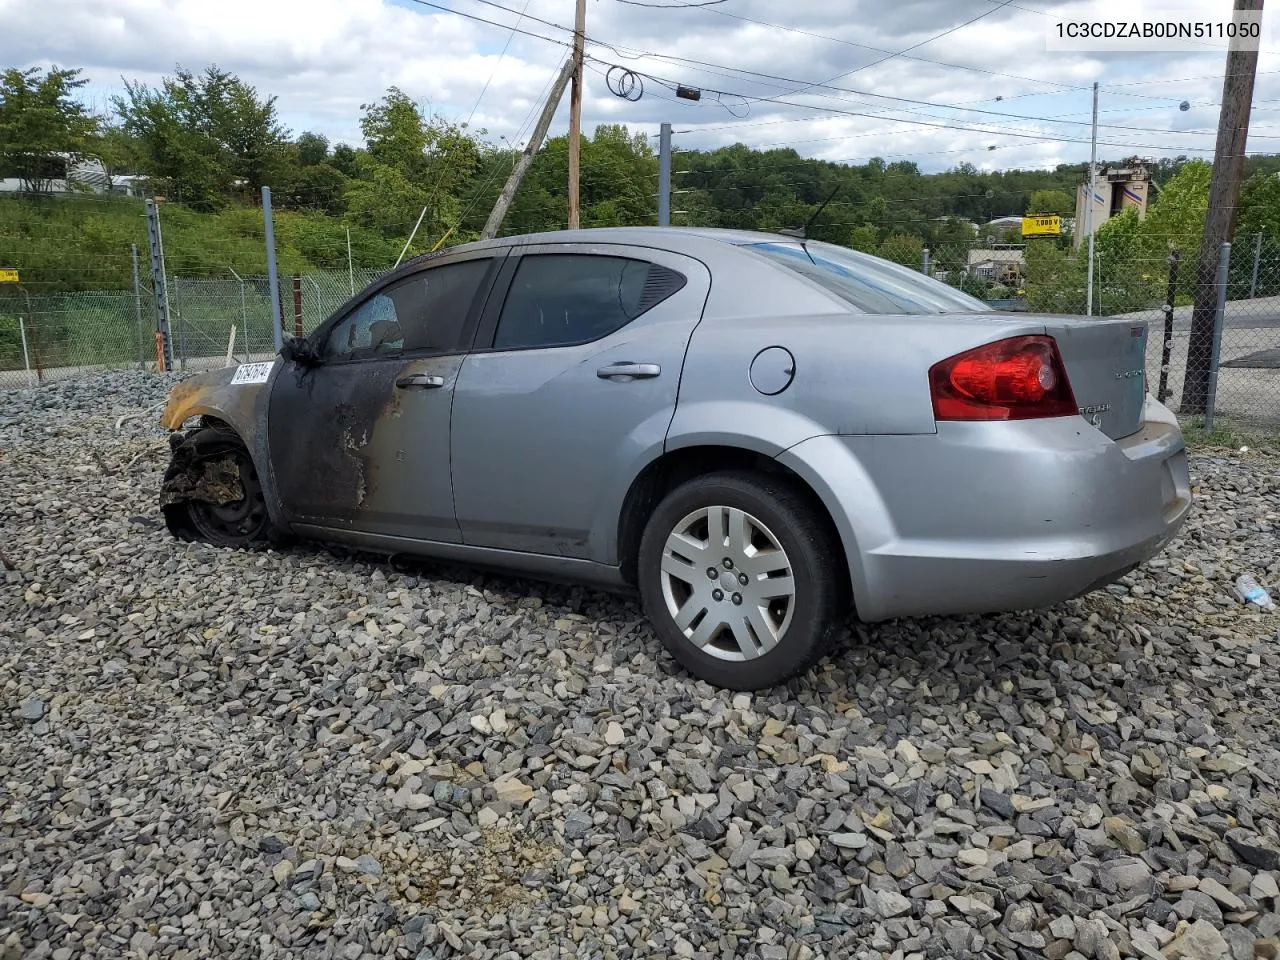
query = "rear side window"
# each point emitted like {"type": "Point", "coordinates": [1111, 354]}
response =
{"type": "Point", "coordinates": [563, 299]}
{"type": "Point", "coordinates": [869, 284]}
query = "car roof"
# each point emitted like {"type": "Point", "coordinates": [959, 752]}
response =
{"type": "Point", "coordinates": [643, 236]}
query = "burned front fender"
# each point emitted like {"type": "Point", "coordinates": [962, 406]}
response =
{"type": "Point", "coordinates": [237, 397]}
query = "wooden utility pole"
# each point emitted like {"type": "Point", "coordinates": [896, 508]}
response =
{"type": "Point", "coordinates": [575, 112]}
{"type": "Point", "coordinates": [1220, 220]}
{"type": "Point", "coordinates": [494, 223]}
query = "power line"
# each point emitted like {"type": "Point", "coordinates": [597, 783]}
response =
{"type": "Point", "coordinates": [914, 46]}
{"type": "Point", "coordinates": [834, 110]}
{"type": "Point", "coordinates": [883, 96]}
{"type": "Point", "coordinates": [999, 131]}
{"type": "Point", "coordinates": [804, 85]}
{"type": "Point", "coordinates": [494, 72]}
{"type": "Point", "coordinates": [902, 54]}
{"type": "Point", "coordinates": [494, 23]}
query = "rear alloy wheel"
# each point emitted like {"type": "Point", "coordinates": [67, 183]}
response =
{"type": "Point", "coordinates": [740, 579]}
{"type": "Point", "coordinates": [212, 492]}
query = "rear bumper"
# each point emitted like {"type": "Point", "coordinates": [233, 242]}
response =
{"type": "Point", "coordinates": [986, 517]}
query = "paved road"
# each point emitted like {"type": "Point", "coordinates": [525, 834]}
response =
{"type": "Point", "coordinates": [1259, 314]}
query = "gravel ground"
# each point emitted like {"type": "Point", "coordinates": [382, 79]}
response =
{"type": "Point", "coordinates": [206, 753]}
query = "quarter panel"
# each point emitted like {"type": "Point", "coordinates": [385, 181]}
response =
{"type": "Point", "coordinates": [855, 374]}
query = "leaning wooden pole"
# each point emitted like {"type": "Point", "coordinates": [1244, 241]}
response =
{"type": "Point", "coordinates": [530, 151]}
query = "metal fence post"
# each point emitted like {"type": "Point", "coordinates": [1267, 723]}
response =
{"type": "Point", "coordinates": [664, 175]}
{"type": "Point", "coordinates": [35, 336]}
{"type": "Point", "coordinates": [1257, 257]}
{"type": "Point", "coordinates": [320, 315]}
{"type": "Point", "coordinates": [1166, 350]}
{"type": "Point", "coordinates": [1224, 263]}
{"type": "Point", "coordinates": [164, 351]}
{"type": "Point", "coordinates": [924, 261]}
{"type": "Point", "coordinates": [26, 357]}
{"type": "Point", "coordinates": [351, 270]}
{"type": "Point", "coordinates": [244, 317]}
{"type": "Point", "coordinates": [273, 279]}
{"type": "Point", "coordinates": [137, 308]}
{"type": "Point", "coordinates": [297, 306]}
{"type": "Point", "coordinates": [182, 324]}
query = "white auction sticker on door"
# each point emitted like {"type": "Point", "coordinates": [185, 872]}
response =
{"type": "Point", "coordinates": [253, 372]}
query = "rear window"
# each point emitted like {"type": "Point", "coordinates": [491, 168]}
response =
{"type": "Point", "coordinates": [869, 284]}
{"type": "Point", "coordinates": [562, 299]}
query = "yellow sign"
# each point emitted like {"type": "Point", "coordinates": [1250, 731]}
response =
{"type": "Point", "coordinates": [1041, 226]}
{"type": "Point", "coordinates": [8, 275]}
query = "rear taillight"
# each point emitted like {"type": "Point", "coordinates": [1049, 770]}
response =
{"type": "Point", "coordinates": [1021, 378]}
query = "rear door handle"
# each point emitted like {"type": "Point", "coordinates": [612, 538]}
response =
{"type": "Point", "coordinates": [629, 371]}
{"type": "Point", "coordinates": [421, 381]}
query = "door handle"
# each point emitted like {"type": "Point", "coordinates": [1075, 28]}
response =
{"type": "Point", "coordinates": [420, 380]}
{"type": "Point", "coordinates": [629, 371]}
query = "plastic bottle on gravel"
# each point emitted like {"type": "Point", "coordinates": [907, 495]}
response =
{"type": "Point", "coordinates": [1250, 591]}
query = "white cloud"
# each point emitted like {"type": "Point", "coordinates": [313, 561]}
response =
{"type": "Point", "coordinates": [323, 58]}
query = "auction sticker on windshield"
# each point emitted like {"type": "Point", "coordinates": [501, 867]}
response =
{"type": "Point", "coordinates": [253, 372]}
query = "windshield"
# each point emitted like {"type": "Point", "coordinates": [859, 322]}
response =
{"type": "Point", "coordinates": [870, 284]}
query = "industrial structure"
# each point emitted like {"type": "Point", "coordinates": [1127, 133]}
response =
{"type": "Point", "coordinates": [1115, 189]}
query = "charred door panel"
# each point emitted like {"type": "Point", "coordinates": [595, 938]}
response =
{"type": "Point", "coordinates": [352, 449]}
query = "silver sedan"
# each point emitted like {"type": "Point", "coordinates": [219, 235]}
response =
{"type": "Point", "coordinates": [758, 433]}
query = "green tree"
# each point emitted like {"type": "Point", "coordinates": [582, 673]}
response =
{"type": "Point", "coordinates": [863, 238]}
{"type": "Point", "coordinates": [904, 248]}
{"type": "Point", "coordinates": [411, 163]}
{"type": "Point", "coordinates": [1129, 271]}
{"type": "Point", "coordinates": [617, 183]}
{"type": "Point", "coordinates": [1051, 203]}
{"type": "Point", "coordinates": [205, 135]}
{"type": "Point", "coordinates": [1259, 207]}
{"type": "Point", "coordinates": [384, 200]}
{"type": "Point", "coordinates": [344, 159]}
{"type": "Point", "coordinates": [1053, 278]}
{"type": "Point", "coordinates": [313, 148]}
{"type": "Point", "coordinates": [317, 187]}
{"type": "Point", "coordinates": [43, 128]}
{"type": "Point", "coordinates": [1176, 218]}
{"type": "Point", "coordinates": [396, 133]}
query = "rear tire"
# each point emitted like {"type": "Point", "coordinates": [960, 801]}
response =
{"type": "Point", "coordinates": [239, 523]}
{"type": "Point", "coordinates": [740, 578]}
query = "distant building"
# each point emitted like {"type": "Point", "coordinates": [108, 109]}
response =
{"type": "Point", "coordinates": [1115, 189]}
{"type": "Point", "coordinates": [86, 174]}
{"type": "Point", "coordinates": [999, 265]}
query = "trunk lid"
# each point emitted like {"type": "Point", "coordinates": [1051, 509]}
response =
{"type": "Point", "coordinates": [1106, 364]}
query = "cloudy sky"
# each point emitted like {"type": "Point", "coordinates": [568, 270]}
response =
{"type": "Point", "coordinates": [935, 81]}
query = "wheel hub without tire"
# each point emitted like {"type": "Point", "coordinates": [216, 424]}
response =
{"type": "Point", "coordinates": [728, 583]}
{"type": "Point", "coordinates": [237, 521]}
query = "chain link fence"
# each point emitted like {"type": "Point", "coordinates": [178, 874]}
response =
{"type": "Point", "coordinates": [43, 333]}
{"type": "Point", "coordinates": [60, 335]}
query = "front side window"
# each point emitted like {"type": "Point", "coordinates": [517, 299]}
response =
{"type": "Point", "coordinates": [870, 284]}
{"type": "Point", "coordinates": [564, 299]}
{"type": "Point", "coordinates": [423, 313]}
{"type": "Point", "coordinates": [372, 329]}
